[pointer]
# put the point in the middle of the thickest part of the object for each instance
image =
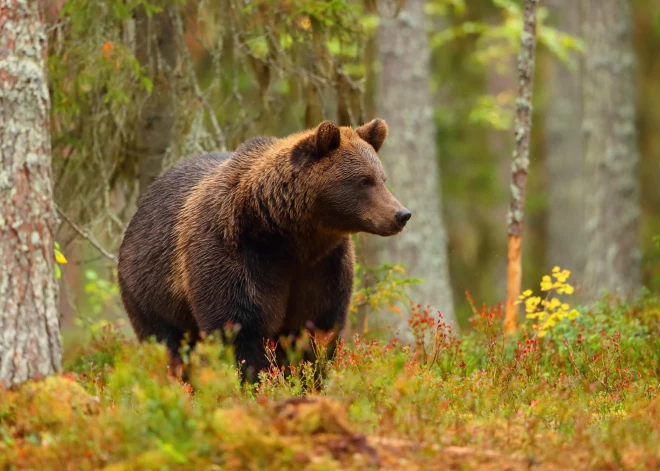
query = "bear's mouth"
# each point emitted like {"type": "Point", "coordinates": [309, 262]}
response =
{"type": "Point", "coordinates": [394, 232]}
{"type": "Point", "coordinates": [383, 230]}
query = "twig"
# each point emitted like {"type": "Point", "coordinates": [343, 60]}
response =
{"type": "Point", "coordinates": [86, 235]}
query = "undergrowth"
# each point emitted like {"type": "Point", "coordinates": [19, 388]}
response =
{"type": "Point", "coordinates": [583, 395]}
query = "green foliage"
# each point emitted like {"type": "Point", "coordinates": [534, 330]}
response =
{"type": "Point", "coordinates": [584, 396]}
{"type": "Point", "coordinates": [498, 41]}
{"type": "Point", "coordinates": [97, 85]}
{"type": "Point", "coordinates": [494, 44]}
{"type": "Point", "coordinates": [94, 360]}
{"type": "Point", "coordinates": [378, 289]}
{"type": "Point", "coordinates": [651, 260]}
{"type": "Point", "coordinates": [99, 291]}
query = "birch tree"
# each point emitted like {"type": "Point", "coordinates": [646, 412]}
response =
{"type": "Point", "coordinates": [30, 344]}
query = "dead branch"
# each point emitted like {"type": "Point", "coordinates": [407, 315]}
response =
{"type": "Point", "coordinates": [86, 235]}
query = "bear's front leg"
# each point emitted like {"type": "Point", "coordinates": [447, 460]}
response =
{"type": "Point", "coordinates": [219, 310]}
{"type": "Point", "coordinates": [321, 297]}
{"type": "Point", "coordinates": [239, 292]}
{"type": "Point", "coordinates": [217, 316]}
{"type": "Point", "coordinates": [250, 352]}
{"type": "Point", "coordinates": [332, 280]}
{"type": "Point", "coordinates": [222, 298]}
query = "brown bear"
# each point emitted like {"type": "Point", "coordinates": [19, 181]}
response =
{"type": "Point", "coordinates": [258, 238]}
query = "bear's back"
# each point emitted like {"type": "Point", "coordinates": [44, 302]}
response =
{"type": "Point", "coordinates": [159, 207]}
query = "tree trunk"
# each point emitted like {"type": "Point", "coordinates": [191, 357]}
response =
{"type": "Point", "coordinates": [157, 53]}
{"type": "Point", "coordinates": [30, 345]}
{"type": "Point", "coordinates": [409, 154]}
{"type": "Point", "coordinates": [611, 159]}
{"type": "Point", "coordinates": [523, 133]}
{"type": "Point", "coordinates": [565, 156]}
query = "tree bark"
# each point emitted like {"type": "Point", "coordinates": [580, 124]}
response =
{"type": "Point", "coordinates": [565, 154]}
{"type": "Point", "coordinates": [30, 345]}
{"type": "Point", "coordinates": [611, 186]}
{"type": "Point", "coordinates": [409, 154]}
{"type": "Point", "coordinates": [523, 133]}
{"type": "Point", "coordinates": [157, 52]}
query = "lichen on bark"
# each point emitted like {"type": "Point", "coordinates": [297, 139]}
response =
{"type": "Point", "coordinates": [30, 344]}
{"type": "Point", "coordinates": [520, 161]}
{"type": "Point", "coordinates": [565, 151]}
{"type": "Point", "coordinates": [409, 154]}
{"type": "Point", "coordinates": [611, 154]}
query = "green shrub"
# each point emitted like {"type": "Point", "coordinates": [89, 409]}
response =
{"type": "Point", "coordinates": [583, 396]}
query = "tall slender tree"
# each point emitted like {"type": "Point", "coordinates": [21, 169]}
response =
{"type": "Point", "coordinates": [30, 344]}
{"type": "Point", "coordinates": [520, 164]}
{"type": "Point", "coordinates": [409, 154]}
{"type": "Point", "coordinates": [611, 159]}
{"type": "Point", "coordinates": [564, 151]}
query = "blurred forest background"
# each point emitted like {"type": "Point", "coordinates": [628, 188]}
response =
{"type": "Point", "coordinates": [137, 85]}
{"type": "Point", "coordinates": [114, 92]}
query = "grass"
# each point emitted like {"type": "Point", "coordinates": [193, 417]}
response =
{"type": "Point", "coordinates": [581, 396]}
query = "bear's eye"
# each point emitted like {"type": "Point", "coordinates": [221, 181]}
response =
{"type": "Point", "coordinates": [366, 181]}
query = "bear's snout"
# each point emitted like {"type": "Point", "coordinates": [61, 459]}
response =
{"type": "Point", "coordinates": [402, 216]}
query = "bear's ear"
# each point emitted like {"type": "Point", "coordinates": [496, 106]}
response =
{"type": "Point", "coordinates": [374, 132]}
{"type": "Point", "coordinates": [327, 138]}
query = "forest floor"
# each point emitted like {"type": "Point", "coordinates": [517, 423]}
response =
{"type": "Point", "coordinates": [582, 395]}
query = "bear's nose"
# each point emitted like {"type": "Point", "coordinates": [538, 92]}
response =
{"type": "Point", "coordinates": [402, 216]}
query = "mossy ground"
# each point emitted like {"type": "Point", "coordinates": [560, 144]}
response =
{"type": "Point", "coordinates": [584, 396]}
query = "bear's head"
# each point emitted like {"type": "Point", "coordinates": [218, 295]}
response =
{"type": "Point", "coordinates": [350, 194]}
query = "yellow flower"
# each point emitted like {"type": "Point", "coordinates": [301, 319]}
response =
{"type": "Point", "coordinates": [554, 304]}
{"type": "Point", "coordinates": [548, 312]}
{"type": "Point", "coordinates": [566, 289]}
{"type": "Point", "coordinates": [532, 303]}
{"type": "Point", "coordinates": [546, 283]}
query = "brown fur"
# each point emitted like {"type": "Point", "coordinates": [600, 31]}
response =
{"type": "Point", "coordinates": [260, 238]}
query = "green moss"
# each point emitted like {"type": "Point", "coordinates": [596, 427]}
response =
{"type": "Point", "coordinates": [47, 405]}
